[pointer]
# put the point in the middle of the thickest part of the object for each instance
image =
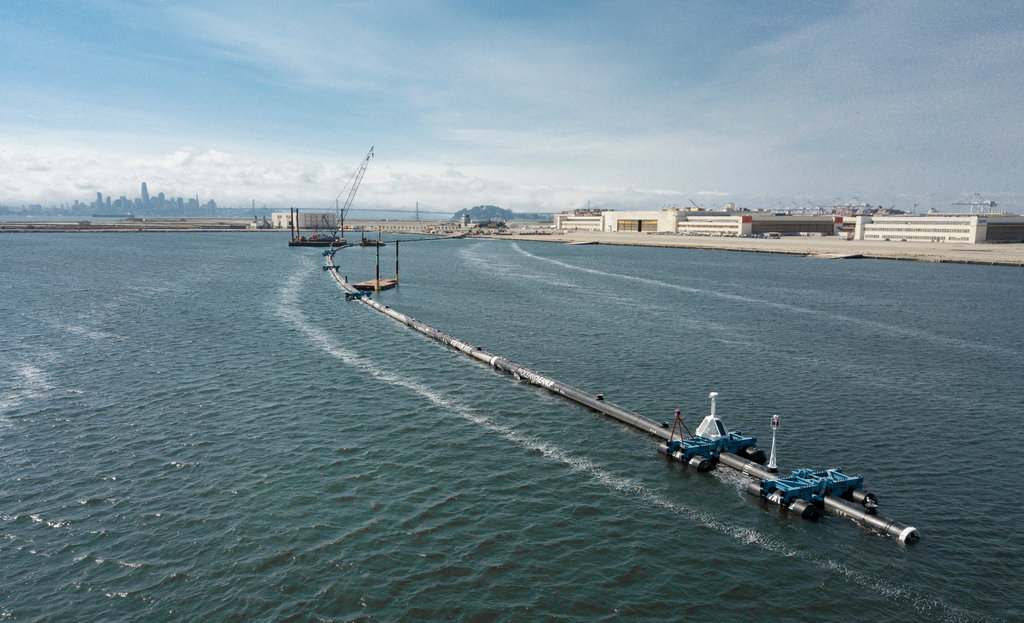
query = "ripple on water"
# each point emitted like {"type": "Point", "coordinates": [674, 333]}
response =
{"type": "Point", "coordinates": [231, 440]}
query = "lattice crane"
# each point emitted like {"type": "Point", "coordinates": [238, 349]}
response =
{"type": "Point", "coordinates": [353, 186]}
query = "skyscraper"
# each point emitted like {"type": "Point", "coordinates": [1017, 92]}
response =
{"type": "Point", "coordinates": [145, 194]}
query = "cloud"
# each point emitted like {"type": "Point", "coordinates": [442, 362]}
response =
{"type": "Point", "coordinates": [534, 105]}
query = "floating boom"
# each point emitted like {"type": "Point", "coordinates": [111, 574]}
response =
{"type": "Point", "coordinates": [800, 493]}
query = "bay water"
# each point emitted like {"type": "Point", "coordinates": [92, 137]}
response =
{"type": "Point", "coordinates": [198, 426]}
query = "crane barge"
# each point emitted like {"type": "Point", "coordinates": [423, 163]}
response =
{"type": "Point", "coordinates": [335, 238]}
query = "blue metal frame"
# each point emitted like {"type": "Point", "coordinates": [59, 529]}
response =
{"type": "Point", "coordinates": [812, 485]}
{"type": "Point", "coordinates": [711, 448]}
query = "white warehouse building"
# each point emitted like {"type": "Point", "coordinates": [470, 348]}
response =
{"type": "Point", "coordinates": [307, 220]}
{"type": "Point", "coordinates": [935, 227]}
{"type": "Point", "coordinates": [971, 228]}
{"type": "Point", "coordinates": [670, 221]}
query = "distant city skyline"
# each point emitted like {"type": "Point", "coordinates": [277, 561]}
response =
{"type": "Point", "coordinates": [535, 107]}
{"type": "Point", "coordinates": [142, 205]}
{"type": "Point", "coordinates": [160, 205]}
{"type": "Point", "coordinates": [145, 204]}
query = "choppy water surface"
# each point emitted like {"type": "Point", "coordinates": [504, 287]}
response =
{"type": "Point", "coordinates": [198, 426]}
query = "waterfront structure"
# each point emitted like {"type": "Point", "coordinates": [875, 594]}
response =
{"type": "Point", "coordinates": [766, 224]}
{"type": "Point", "coordinates": [669, 221]}
{"type": "Point", "coordinates": [308, 221]}
{"type": "Point", "coordinates": [699, 222]}
{"type": "Point", "coordinates": [259, 224]}
{"type": "Point", "coordinates": [676, 221]}
{"type": "Point", "coordinates": [970, 228]}
{"type": "Point", "coordinates": [935, 227]}
{"type": "Point", "coordinates": [580, 220]}
{"type": "Point", "coordinates": [390, 226]}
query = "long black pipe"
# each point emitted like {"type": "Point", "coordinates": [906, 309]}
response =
{"type": "Point", "coordinates": [902, 532]}
{"type": "Point", "coordinates": [596, 402]}
{"type": "Point", "coordinates": [862, 515]}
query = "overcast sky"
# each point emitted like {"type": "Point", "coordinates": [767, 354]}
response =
{"type": "Point", "coordinates": [532, 106]}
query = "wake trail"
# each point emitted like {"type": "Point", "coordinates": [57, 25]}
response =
{"type": "Point", "coordinates": [496, 267]}
{"type": "Point", "coordinates": [28, 382]}
{"type": "Point", "coordinates": [323, 340]}
{"type": "Point", "coordinates": [288, 309]}
{"type": "Point", "coordinates": [874, 324]}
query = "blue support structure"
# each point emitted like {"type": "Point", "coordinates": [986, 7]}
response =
{"type": "Point", "coordinates": [703, 452]}
{"type": "Point", "coordinates": [735, 442]}
{"type": "Point", "coordinates": [812, 485]}
{"type": "Point", "coordinates": [711, 448]}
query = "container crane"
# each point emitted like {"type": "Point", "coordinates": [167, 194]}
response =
{"type": "Point", "coordinates": [977, 202]}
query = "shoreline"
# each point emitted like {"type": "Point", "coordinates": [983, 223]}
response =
{"type": "Point", "coordinates": [823, 247]}
{"type": "Point", "coordinates": [147, 225]}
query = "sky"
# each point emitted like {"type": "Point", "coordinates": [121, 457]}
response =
{"type": "Point", "coordinates": [534, 106]}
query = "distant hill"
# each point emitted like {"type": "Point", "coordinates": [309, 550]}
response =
{"type": "Point", "coordinates": [494, 213]}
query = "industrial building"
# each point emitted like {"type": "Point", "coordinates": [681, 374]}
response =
{"type": "Point", "coordinates": [985, 227]}
{"type": "Point", "coordinates": [307, 220]}
{"type": "Point", "coordinates": [935, 227]}
{"type": "Point", "coordinates": [700, 223]}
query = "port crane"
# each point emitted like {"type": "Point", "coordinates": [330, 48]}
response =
{"type": "Point", "coordinates": [977, 201]}
{"type": "Point", "coordinates": [353, 186]}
